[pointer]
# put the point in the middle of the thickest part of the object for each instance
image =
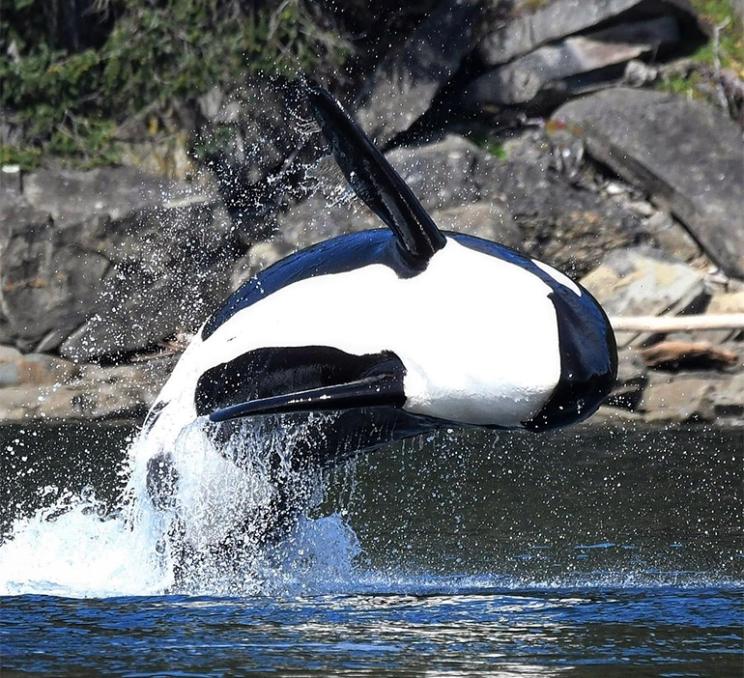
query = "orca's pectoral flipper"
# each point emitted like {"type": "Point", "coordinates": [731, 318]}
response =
{"type": "Point", "coordinates": [373, 391]}
{"type": "Point", "coordinates": [374, 180]}
{"type": "Point", "coordinates": [299, 379]}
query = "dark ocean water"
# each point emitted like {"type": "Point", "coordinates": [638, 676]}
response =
{"type": "Point", "coordinates": [593, 553]}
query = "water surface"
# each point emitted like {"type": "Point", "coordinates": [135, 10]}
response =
{"type": "Point", "coordinates": [578, 553]}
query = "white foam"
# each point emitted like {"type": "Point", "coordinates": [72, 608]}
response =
{"type": "Point", "coordinates": [70, 550]}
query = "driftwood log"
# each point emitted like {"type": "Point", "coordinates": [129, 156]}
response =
{"type": "Point", "coordinates": [676, 354]}
{"type": "Point", "coordinates": [683, 323]}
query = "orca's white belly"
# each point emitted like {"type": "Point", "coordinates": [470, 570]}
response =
{"type": "Point", "coordinates": [477, 335]}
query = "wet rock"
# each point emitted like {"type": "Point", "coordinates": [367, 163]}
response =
{"type": "Point", "coordinates": [108, 257]}
{"type": "Point", "coordinates": [522, 203]}
{"type": "Point", "coordinates": [522, 80]}
{"type": "Point", "coordinates": [17, 369]}
{"type": "Point", "coordinates": [260, 257]}
{"type": "Point", "coordinates": [482, 219]}
{"type": "Point", "coordinates": [176, 271]}
{"type": "Point", "coordinates": [630, 383]}
{"type": "Point", "coordinates": [645, 282]}
{"type": "Point", "coordinates": [670, 236]}
{"type": "Point", "coordinates": [49, 283]}
{"type": "Point", "coordinates": [727, 398]}
{"type": "Point", "coordinates": [686, 155]}
{"type": "Point", "coordinates": [440, 174]}
{"type": "Point", "coordinates": [561, 18]}
{"type": "Point", "coordinates": [406, 81]}
{"type": "Point", "coordinates": [71, 196]}
{"type": "Point", "coordinates": [559, 221]}
{"type": "Point", "coordinates": [125, 391]}
{"type": "Point", "coordinates": [681, 398]}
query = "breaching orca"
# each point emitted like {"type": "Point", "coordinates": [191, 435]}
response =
{"type": "Point", "coordinates": [400, 330]}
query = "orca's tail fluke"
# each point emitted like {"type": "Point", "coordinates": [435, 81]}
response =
{"type": "Point", "coordinates": [373, 178]}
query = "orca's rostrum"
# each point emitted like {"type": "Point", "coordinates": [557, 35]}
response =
{"type": "Point", "coordinates": [400, 330]}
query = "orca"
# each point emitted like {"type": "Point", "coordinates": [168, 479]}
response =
{"type": "Point", "coordinates": [399, 331]}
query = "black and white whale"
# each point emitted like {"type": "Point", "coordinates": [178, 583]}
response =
{"type": "Point", "coordinates": [400, 330]}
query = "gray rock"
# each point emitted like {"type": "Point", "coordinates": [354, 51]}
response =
{"type": "Point", "coordinates": [630, 383]}
{"type": "Point", "coordinates": [119, 271]}
{"type": "Point", "coordinates": [554, 20]}
{"type": "Point", "coordinates": [17, 369]}
{"type": "Point", "coordinates": [172, 270]}
{"type": "Point", "coordinates": [440, 174]}
{"type": "Point", "coordinates": [683, 397]}
{"type": "Point", "coordinates": [686, 155]}
{"type": "Point", "coordinates": [482, 219]}
{"type": "Point", "coordinates": [671, 236]}
{"type": "Point", "coordinates": [125, 391]}
{"type": "Point", "coordinates": [644, 282]}
{"type": "Point", "coordinates": [559, 221]}
{"type": "Point", "coordinates": [406, 81]}
{"type": "Point", "coordinates": [727, 398]}
{"type": "Point", "coordinates": [49, 282]}
{"type": "Point", "coordinates": [561, 18]}
{"type": "Point", "coordinates": [71, 196]}
{"type": "Point", "coordinates": [520, 81]}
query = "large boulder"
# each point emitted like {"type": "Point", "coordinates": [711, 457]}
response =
{"type": "Point", "coordinates": [440, 174]}
{"type": "Point", "coordinates": [559, 221]}
{"type": "Point", "coordinates": [70, 196]}
{"type": "Point", "coordinates": [685, 154]}
{"type": "Point", "coordinates": [551, 69]}
{"type": "Point", "coordinates": [559, 18]}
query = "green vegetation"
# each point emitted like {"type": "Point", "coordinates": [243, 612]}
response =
{"type": "Point", "coordinates": [731, 44]}
{"type": "Point", "coordinates": [721, 14]}
{"type": "Point", "coordinates": [490, 144]}
{"type": "Point", "coordinates": [70, 77]}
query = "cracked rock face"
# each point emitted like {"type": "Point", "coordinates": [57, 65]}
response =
{"type": "Point", "coordinates": [686, 155]}
{"type": "Point", "coordinates": [143, 264]}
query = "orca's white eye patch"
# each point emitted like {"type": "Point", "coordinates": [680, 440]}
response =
{"type": "Point", "coordinates": [559, 277]}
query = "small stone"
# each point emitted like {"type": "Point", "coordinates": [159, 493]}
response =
{"type": "Point", "coordinates": [613, 188]}
{"type": "Point", "coordinates": [642, 208]}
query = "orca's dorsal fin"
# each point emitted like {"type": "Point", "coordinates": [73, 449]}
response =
{"type": "Point", "coordinates": [373, 178]}
{"type": "Point", "coordinates": [372, 391]}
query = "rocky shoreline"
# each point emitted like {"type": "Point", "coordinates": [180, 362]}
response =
{"type": "Point", "coordinates": [584, 164]}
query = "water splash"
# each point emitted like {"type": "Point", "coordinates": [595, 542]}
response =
{"type": "Point", "coordinates": [75, 547]}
